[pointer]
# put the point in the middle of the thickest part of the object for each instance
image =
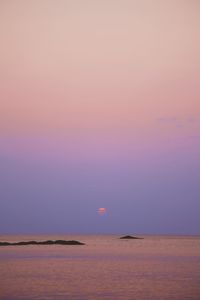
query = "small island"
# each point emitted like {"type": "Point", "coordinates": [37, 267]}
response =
{"type": "Point", "coordinates": [129, 237]}
{"type": "Point", "coordinates": [49, 242]}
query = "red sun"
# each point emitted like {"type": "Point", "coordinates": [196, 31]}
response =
{"type": "Point", "coordinates": [101, 210]}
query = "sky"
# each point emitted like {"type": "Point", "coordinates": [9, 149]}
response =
{"type": "Point", "coordinates": [99, 107]}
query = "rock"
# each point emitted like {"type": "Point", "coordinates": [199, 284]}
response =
{"type": "Point", "coordinates": [129, 237]}
{"type": "Point", "coordinates": [4, 244]}
{"type": "Point", "coordinates": [72, 242]}
{"type": "Point", "coordinates": [57, 242]}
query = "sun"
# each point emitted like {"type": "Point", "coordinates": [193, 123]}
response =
{"type": "Point", "coordinates": [101, 210]}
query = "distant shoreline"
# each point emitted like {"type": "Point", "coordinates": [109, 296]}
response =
{"type": "Point", "coordinates": [49, 242]}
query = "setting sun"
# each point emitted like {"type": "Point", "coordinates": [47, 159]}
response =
{"type": "Point", "coordinates": [101, 210]}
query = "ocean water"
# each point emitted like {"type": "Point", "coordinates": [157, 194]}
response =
{"type": "Point", "coordinates": [156, 267]}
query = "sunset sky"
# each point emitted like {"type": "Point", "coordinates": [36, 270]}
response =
{"type": "Point", "coordinates": [100, 107]}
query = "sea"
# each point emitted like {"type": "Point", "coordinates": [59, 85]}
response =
{"type": "Point", "coordinates": [106, 267]}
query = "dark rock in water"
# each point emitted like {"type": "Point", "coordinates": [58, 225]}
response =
{"type": "Point", "coordinates": [129, 237]}
{"type": "Point", "coordinates": [4, 244]}
{"type": "Point", "coordinates": [57, 242]}
{"type": "Point", "coordinates": [47, 242]}
{"type": "Point", "coordinates": [63, 242]}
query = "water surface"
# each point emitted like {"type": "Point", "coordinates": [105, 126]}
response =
{"type": "Point", "coordinates": [156, 267]}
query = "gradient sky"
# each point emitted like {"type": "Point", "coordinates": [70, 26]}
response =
{"type": "Point", "coordinates": [100, 107]}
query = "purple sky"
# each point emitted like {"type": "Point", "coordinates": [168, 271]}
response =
{"type": "Point", "coordinates": [100, 107]}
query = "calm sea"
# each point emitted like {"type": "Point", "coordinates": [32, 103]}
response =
{"type": "Point", "coordinates": [157, 267]}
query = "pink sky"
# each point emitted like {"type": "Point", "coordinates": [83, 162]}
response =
{"type": "Point", "coordinates": [102, 83]}
{"type": "Point", "coordinates": [107, 65]}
